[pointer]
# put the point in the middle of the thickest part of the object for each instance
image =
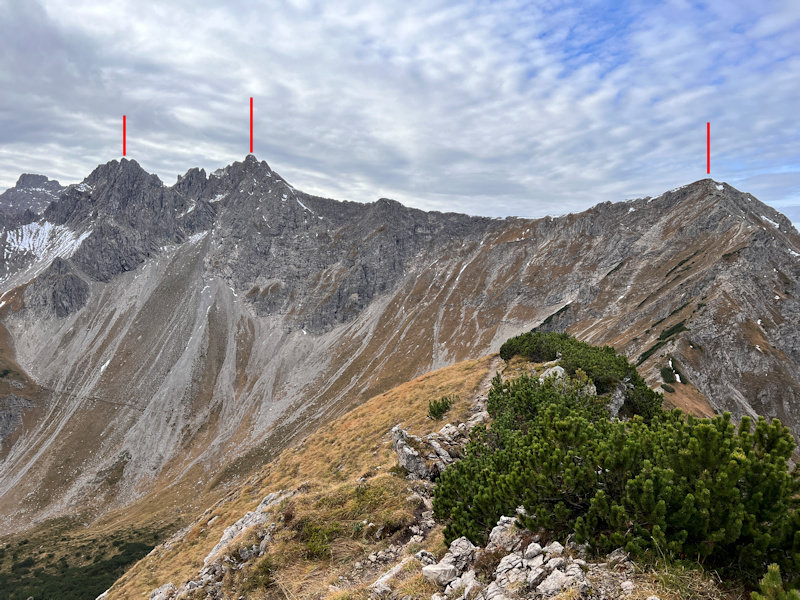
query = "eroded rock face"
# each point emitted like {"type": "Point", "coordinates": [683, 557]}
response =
{"type": "Point", "coordinates": [260, 516]}
{"type": "Point", "coordinates": [428, 457]}
{"type": "Point", "coordinates": [59, 289]}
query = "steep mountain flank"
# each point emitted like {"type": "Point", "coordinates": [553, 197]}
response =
{"type": "Point", "coordinates": [171, 331]}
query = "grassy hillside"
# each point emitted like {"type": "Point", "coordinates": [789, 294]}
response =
{"type": "Point", "coordinates": [343, 477]}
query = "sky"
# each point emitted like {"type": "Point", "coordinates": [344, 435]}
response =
{"type": "Point", "coordinates": [493, 108]}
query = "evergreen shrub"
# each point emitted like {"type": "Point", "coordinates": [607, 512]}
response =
{"type": "Point", "coordinates": [438, 408]}
{"type": "Point", "coordinates": [668, 484]}
{"type": "Point", "coordinates": [771, 587]}
{"type": "Point", "coordinates": [607, 369]}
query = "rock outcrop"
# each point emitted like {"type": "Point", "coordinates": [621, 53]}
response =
{"type": "Point", "coordinates": [515, 565]}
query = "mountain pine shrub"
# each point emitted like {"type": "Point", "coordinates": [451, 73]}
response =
{"type": "Point", "coordinates": [602, 365]}
{"type": "Point", "coordinates": [771, 587]}
{"type": "Point", "coordinates": [661, 483]}
{"type": "Point", "coordinates": [438, 408]}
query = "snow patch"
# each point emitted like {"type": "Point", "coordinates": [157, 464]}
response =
{"type": "Point", "coordinates": [770, 221]}
{"type": "Point", "coordinates": [304, 206]}
{"type": "Point", "coordinates": [218, 197]}
{"type": "Point", "coordinates": [793, 253]}
{"type": "Point", "coordinates": [464, 266]}
{"type": "Point", "coordinates": [196, 237]}
{"type": "Point", "coordinates": [105, 364]}
{"type": "Point", "coordinates": [720, 188]}
{"type": "Point", "coordinates": [43, 240]}
{"type": "Point", "coordinates": [188, 210]}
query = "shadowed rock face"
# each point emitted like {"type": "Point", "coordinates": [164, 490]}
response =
{"type": "Point", "coordinates": [59, 289]}
{"type": "Point", "coordinates": [180, 327]}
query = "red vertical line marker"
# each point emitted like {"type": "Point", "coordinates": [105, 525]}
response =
{"type": "Point", "coordinates": [124, 128]}
{"type": "Point", "coordinates": [708, 147]}
{"type": "Point", "coordinates": [251, 124]}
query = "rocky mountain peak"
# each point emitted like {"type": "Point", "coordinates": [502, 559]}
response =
{"type": "Point", "coordinates": [31, 193]}
{"type": "Point", "coordinates": [192, 183]}
{"type": "Point", "coordinates": [250, 167]}
{"type": "Point", "coordinates": [30, 180]}
{"type": "Point", "coordinates": [124, 174]}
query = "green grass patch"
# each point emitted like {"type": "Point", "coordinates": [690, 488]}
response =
{"type": "Point", "coordinates": [650, 351]}
{"type": "Point", "coordinates": [674, 330]}
{"type": "Point", "coordinates": [549, 319]}
{"type": "Point", "coordinates": [681, 263]}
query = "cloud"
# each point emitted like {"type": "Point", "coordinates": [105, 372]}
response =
{"type": "Point", "coordinates": [499, 108]}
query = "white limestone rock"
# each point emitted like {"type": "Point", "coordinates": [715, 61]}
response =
{"type": "Point", "coordinates": [440, 574]}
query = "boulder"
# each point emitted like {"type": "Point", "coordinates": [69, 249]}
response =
{"type": "Point", "coordinates": [380, 590]}
{"type": "Point", "coordinates": [617, 399]}
{"type": "Point", "coordinates": [505, 535]}
{"type": "Point", "coordinates": [536, 576]}
{"type": "Point", "coordinates": [553, 549]}
{"type": "Point", "coordinates": [252, 518]}
{"type": "Point", "coordinates": [464, 587]}
{"type": "Point", "coordinates": [494, 592]}
{"type": "Point", "coordinates": [508, 562]}
{"type": "Point", "coordinates": [440, 574]}
{"type": "Point", "coordinates": [462, 552]}
{"type": "Point", "coordinates": [408, 456]}
{"type": "Point", "coordinates": [554, 583]}
{"type": "Point", "coordinates": [556, 372]}
{"type": "Point", "coordinates": [532, 551]}
{"type": "Point", "coordinates": [532, 563]}
{"type": "Point", "coordinates": [165, 592]}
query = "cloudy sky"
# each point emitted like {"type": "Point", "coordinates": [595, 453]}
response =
{"type": "Point", "coordinates": [494, 108]}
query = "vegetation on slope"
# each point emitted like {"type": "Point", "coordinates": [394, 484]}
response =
{"type": "Point", "coordinates": [661, 483]}
{"type": "Point", "coordinates": [607, 369]}
{"type": "Point", "coordinates": [57, 562]}
{"type": "Point", "coordinates": [343, 474]}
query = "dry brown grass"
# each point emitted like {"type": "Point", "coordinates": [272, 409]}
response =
{"type": "Point", "coordinates": [326, 468]}
{"type": "Point", "coordinates": [675, 581]}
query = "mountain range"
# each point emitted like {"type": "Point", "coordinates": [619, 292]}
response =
{"type": "Point", "coordinates": [159, 337]}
